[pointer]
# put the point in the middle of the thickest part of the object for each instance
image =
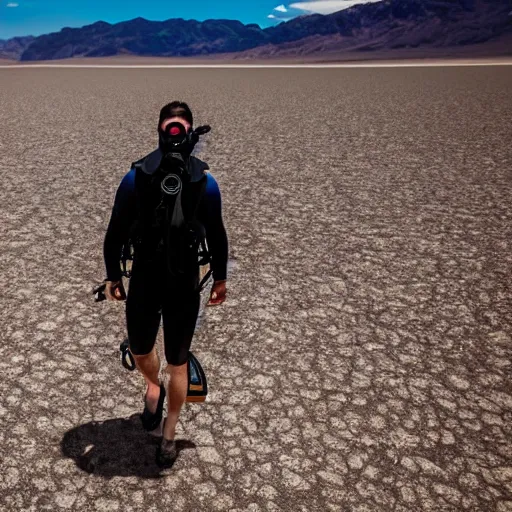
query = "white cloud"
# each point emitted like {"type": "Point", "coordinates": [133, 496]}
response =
{"type": "Point", "coordinates": [271, 16]}
{"type": "Point", "coordinates": [12, 4]}
{"type": "Point", "coordinates": [281, 8]}
{"type": "Point", "coordinates": [328, 6]}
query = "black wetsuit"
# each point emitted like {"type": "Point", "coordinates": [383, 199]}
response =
{"type": "Point", "coordinates": [153, 292]}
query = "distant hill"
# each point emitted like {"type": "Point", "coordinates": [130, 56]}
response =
{"type": "Point", "coordinates": [174, 37]}
{"type": "Point", "coordinates": [14, 48]}
{"type": "Point", "coordinates": [394, 25]}
{"type": "Point", "coordinates": [385, 26]}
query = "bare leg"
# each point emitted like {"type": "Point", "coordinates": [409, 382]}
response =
{"type": "Point", "coordinates": [176, 396]}
{"type": "Point", "coordinates": [149, 366]}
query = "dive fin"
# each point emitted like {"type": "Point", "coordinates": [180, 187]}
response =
{"type": "Point", "coordinates": [197, 385]}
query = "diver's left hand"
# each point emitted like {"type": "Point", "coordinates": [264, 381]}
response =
{"type": "Point", "coordinates": [218, 293]}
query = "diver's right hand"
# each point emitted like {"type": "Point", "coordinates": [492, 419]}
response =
{"type": "Point", "coordinates": [114, 290]}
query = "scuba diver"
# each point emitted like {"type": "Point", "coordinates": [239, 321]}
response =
{"type": "Point", "coordinates": [169, 208]}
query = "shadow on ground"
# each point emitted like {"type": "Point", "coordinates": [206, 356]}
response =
{"type": "Point", "coordinates": [117, 447]}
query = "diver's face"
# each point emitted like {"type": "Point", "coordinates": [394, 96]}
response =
{"type": "Point", "coordinates": [175, 119]}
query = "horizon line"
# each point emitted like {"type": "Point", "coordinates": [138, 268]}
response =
{"type": "Point", "coordinates": [461, 63]}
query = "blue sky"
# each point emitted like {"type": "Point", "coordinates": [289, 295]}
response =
{"type": "Point", "coordinates": [35, 17]}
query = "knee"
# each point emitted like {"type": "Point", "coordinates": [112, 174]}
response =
{"type": "Point", "coordinates": [177, 369]}
{"type": "Point", "coordinates": [141, 357]}
{"type": "Point", "coordinates": [177, 358]}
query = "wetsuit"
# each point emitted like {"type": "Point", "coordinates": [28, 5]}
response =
{"type": "Point", "coordinates": [153, 292]}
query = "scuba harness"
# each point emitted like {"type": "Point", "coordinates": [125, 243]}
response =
{"type": "Point", "coordinates": [169, 184]}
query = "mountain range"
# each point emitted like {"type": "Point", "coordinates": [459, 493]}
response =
{"type": "Point", "coordinates": [388, 26]}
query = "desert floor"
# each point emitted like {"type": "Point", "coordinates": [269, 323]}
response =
{"type": "Point", "coordinates": [362, 361]}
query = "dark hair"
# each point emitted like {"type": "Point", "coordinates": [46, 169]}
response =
{"type": "Point", "coordinates": [176, 109]}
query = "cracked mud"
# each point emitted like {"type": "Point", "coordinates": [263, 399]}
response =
{"type": "Point", "coordinates": [362, 361]}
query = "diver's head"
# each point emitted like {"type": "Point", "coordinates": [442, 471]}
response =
{"type": "Point", "coordinates": [176, 109]}
{"type": "Point", "coordinates": [176, 137]}
{"type": "Point", "coordinates": [175, 129]}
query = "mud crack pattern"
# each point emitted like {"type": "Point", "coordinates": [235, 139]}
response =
{"type": "Point", "coordinates": [362, 361]}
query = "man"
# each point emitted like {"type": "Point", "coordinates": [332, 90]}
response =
{"type": "Point", "coordinates": [167, 203]}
